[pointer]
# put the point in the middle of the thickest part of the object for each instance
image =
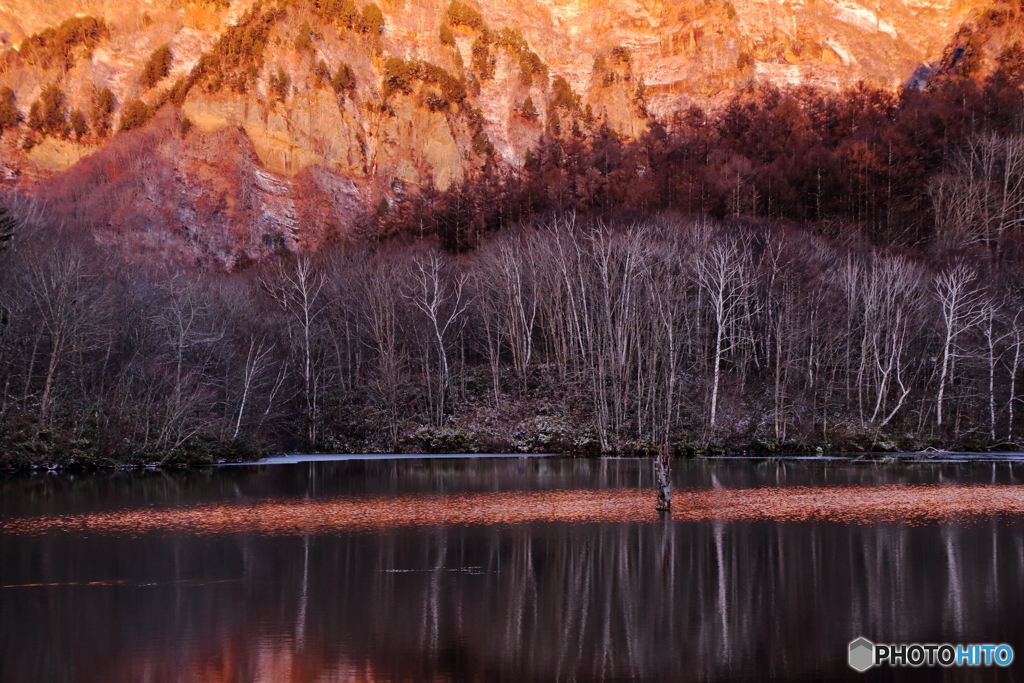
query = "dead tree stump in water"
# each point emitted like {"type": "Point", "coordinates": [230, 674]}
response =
{"type": "Point", "coordinates": [663, 479]}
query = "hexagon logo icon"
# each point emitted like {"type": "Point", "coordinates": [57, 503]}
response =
{"type": "Point", "coordinates": [862, 654]}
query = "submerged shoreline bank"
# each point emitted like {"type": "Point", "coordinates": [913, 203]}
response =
{"type": "Point", "coordinates": [900, 503]}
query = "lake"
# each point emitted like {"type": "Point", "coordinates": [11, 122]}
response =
{"type": "Point", "coordinates": [507, 569]}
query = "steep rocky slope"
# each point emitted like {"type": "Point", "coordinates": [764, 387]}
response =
{"type": "Point", "coordinates": [285, 120]}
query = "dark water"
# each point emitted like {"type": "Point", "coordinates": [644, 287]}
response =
{"type": "Point", "coordinates": [548, 601]}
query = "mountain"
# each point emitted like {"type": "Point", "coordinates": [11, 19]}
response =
{"type": "Point", "coordinates": [219, 131]}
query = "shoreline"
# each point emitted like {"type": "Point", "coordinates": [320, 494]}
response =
{"type": "Point", "coordinates": [876, 457]}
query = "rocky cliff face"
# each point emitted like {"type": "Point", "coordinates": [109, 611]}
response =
{"type": "Point", "coordinates": [284, 120]}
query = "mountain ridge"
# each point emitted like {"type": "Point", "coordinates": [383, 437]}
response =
{"type": "Point", "coordinates": [432, 94]}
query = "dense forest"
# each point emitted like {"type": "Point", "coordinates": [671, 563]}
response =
{"type": "Point", "coordinates": [894, 168]}
{"type": "Point", "coordinates": [796, 270]}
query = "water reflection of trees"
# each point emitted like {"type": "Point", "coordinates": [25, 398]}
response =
{"type": "Point", "coordinates": [667, 601]}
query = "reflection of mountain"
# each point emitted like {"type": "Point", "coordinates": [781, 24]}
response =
{"type": "Point", "coordinates": [602, 602]}
{"type": "Point", "coordinates": [290, 120]}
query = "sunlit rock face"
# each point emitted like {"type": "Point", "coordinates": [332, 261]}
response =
{"type": "Point", "coordinates": [699, 47]}
{"type": "Point", "coordinates": [625, 62]}
{"type": "Point", "coordinates": [695, 47]}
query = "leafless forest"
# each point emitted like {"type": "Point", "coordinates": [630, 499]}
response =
{"type": "Point", "coordinates": [893, 319]}
{"type": "Point", "coordinates": [563, 335]}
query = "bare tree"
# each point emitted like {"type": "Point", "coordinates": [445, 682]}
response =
{"type": "Point", "coordinates": [720, 271]}
{"type": "Point", "coordinates": [443, 302]}
{"type": "Point", "coordinates": [68, 300]}
{"type": "Point", "coordinates": [258, 359]}
{"type": "Point", "coordinates": [981, 196]}
{"type": "Point", "coordinates": [962, 306]}
{"type": "Point", "coordinates": [513, 270]}
{"type": "Point", "coordinates": [486, 306]}
{"type": "Point", "coordinates": [189, 339]}
{"type": "Point", "coordinates": [1016, 337]}
{"type": "Point", "coordinates": [383, 317]}
{"type": "Point", "coordinates": [1010, 213]}
{"type": "Point", "coordinates": [298, 288]}
{"type": "Point", "coordinates": [893, 301]}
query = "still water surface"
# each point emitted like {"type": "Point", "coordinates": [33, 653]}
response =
{"type": "Point", "coordinates": [287, 595]}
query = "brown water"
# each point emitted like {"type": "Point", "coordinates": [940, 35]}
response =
{"type": "Point", "coordinates": [519, 569]}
